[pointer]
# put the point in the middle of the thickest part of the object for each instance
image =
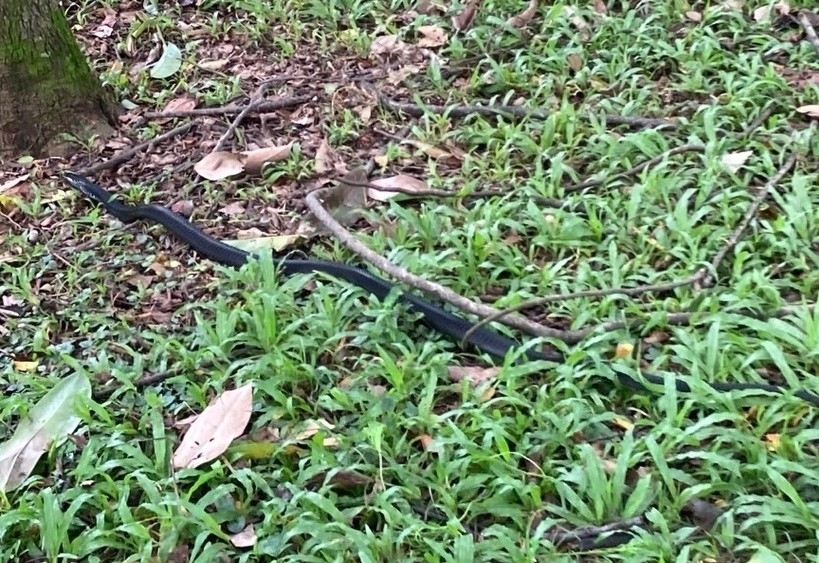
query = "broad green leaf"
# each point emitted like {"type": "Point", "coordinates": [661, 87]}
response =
{"type": "Point", "coordinates": [51, 419]}
{"type": "Point", "coordinates": [168, 63]}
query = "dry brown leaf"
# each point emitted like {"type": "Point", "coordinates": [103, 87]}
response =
{"type": "Point", "coordinates": [733, 161]}
{"type": "Point", "coordinates": [578, 22]}
{"type": "Point", "coordinates": [811, 110]}
{"type": "Point", "coordinates": [254, 241]}
{"type": "Point", "coordinates": [386, 45]}
{"type": "Point", "coordinates": [182, 103]}
{"type": "Point", "coordinates": [624, 350]}
{"type": "Point", "coordinates": [429, 7]}
{"type": "Point", "coordinates": [245, 538]}
{"type": "Point", "coordinates": [463, 21]}
{"type": "Point", "coordinates": [220, 165]}
{"type": "Point", "coordinates": [256, 159]}
{"type": "Point", "coordinates": [235, 208]}
{"type": "Point", "coordinates": [430, 150]}
{"type": "Point", "coordinates": [9, 184]}
{"type": "Point", "coordinates": [313, 427]}
{"type": "Point", "coordinates": [432, 36]}
{"type": "Point", "coordinates": [693, 16]}
{"type": "Point", "coordinates": [522, 19]}
{"type": "Point", "coordinates": [323, 157]}
{"type": "Point", "coordinates": [575, 62]}
{"type": "Point", "coordinates": [401, 181]}
{"type": "Point", "coordinates": [213, 65]}
{"type": "Point", "coordinates": [215, 428]}
{"type": "Point", "coordinates": [473, 374]}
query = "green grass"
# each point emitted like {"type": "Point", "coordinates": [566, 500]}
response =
{"type": "Point", "coordinates": [552, 444]}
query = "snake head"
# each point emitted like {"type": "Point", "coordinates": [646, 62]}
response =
{"type": "Point", "coordinates": [87, 187]}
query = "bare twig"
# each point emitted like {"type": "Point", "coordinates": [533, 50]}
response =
{"type": "Point", "coordinates": [636, 169]}
{"type": "Point", "coordinates": [594, 293]}
{"type": "Point", "coordinates": [263, 106]}
{"type": "Point", "coordinates": [127, 154]}
{"type": "Point", "coordinates": [443, 293]}
{"type": "Point", "coordinates": [460, 111]}
{"type": "Point", "coordinates": [760, 119]}
{"type": "Point", "coordinates": [255, 100]}
{"type": "Point", "coordinates": [810, 32]}
{"type": "Point", "coordinates": [750, 213]}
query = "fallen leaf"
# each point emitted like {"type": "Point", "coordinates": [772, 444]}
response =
{"type": "Point", "coordinates": [52, 418]}
{"type": "Point", "coordinates": [473, 374]}
{"type": "Point", "coordinates": [220, 165]}
{"type": "Point", "coordinates": [168, 64]}
{"type": "Point", "coordinates": [624, 350]}
{"type": "Point", "coordinates": [812, 110]}
{"type": "Point", "coordinates": [387, 45]}
{"type": "Point", "coordinates": [575, 62]}
{"type": "Point", "coordinates": [256, 159]}
{"type": "Point", "coordinates": [258, 244]}
{"type": "Point", "coordinates": [215, 428]}
{"type": "Point", "coordinates": [522, 19]}
{"type": "Point", "coordinates": [235, 208]}
{"type": "Point", "coordinates": [313, 427]}
{"type": "Point", "coordinates": [9, 184]}
{"type": "Point", "coordinates": [578, 22]}
{"type": "Point", "coordinates": [245, 538]}
{"type": "Point", "coordinates": [693, 16]}
{"type": "Point", "coordinates": [323, 157]}
{"type": "Point", "coordinates": [733, 161]}
{"type": "Point", "coordinates": [182, 103]}
{"type": "Point", "coordinates": [401, 181]}
{"type": "Point", "coordinates": [463, 21]}
{"type": "Point", "coordinates": [25, 366]}
{"type": "Point", "coordinates": [432, 36]}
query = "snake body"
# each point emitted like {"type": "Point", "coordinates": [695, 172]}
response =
{"type": "Point", "coordinates": [484, 338]}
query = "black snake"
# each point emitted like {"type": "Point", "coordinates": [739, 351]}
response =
{"type": "Point", "coordinates": [484, 338]}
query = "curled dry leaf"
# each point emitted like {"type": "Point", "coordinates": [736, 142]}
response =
{"type": "Point", "coordinates": [578, 22]}
{"type": "Point", "coordinates": [624, 350]}
{"type": "Point", "coordinates": [245, 538]}
{"type": "Point", "coordinates": [256, 159]}
{"type": "Point", "coordinates": [523, 18]}
{"type": "Point", "coordinates": [182, 103]}
{"type": "Point", "coordinates": [432, 36]}
{"type": "Point", "coordinates": [323, 154]}
{"type": "Point", "coordinates": [213, 431]}
{"type": "Point", "coordinates": [387, 45]}
{"type": "Point", "coordinates": [220, 165]}
{"type": "Point", "coordinates": [401, 181]}
{"type": "Point", "coordinates": [811, 110]}
{"type": "Point", "coordinates": [463, 21]}
{"type": "Point", "coordinates": [473, 374]}
{"type": "Point", "coordinates": [733, 161]}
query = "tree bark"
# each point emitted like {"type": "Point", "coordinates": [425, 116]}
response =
{"type": "Point", "coordinates": [47, 88]}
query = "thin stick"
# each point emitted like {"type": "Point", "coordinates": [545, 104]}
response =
{"type": "Point", "coordinates": [269, 105]}
{"type": "Point", "coordinates": [402, 275]}
{"type": "Point", "coordinates": [750, 214]}
{"type": "Point", "coordinates": [127, 154]}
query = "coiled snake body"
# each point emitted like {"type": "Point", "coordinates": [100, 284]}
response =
{"type": "Point", "coordinates": [484, 338]}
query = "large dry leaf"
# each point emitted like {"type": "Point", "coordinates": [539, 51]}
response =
{"type": "Point", "coordinates": [51, 419]}
{"type": "Point", "coordinates": [811, 110]}
{"type": "Point", "coordinates": [432, 36]}
{"type": "Point", "coordinates": [343, 201]}
{"type": "Point", "coordinates": [220, 165]}
{"type": "Point", "coordinates": [463, 21]}
{"type": "Point", "coordinates": [211, 433]}
{"type": "Point", "coordinates": [733, 161]}
{"type": "Point", "coordinates": [401, 181]}
{"type": "Point", "coordinates": [523, 18]}
{"type": "Point", "coordinates": [256, 159]}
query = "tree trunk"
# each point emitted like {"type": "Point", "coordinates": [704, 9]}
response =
{"type": "Point", "coordinates": [47, 88]}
